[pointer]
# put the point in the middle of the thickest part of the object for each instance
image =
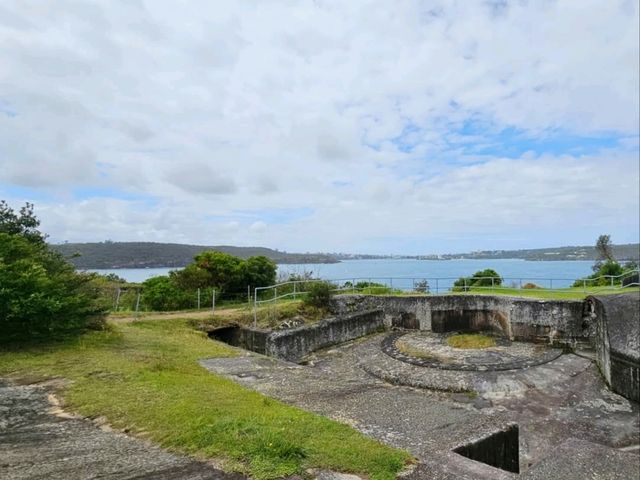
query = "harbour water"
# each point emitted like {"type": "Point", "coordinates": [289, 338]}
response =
{"type": "Point", "coordinates": [405, 271]}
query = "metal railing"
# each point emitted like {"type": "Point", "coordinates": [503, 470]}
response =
{"type": "Point", "coordinates": [424, 285]}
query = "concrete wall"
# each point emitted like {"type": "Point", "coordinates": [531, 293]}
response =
{"type": "Point", "coordinates": [295, 343]}
{"type": "Point", "coordinates": [549, 321]}
{"type": "Point", "coordinates": [615, 323]}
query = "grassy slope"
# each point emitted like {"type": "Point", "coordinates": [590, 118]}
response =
{"type": "Point", "coordinates": [144, 376]}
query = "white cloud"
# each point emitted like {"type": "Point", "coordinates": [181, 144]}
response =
{"type": "Point", "coordinates": [351, 109]}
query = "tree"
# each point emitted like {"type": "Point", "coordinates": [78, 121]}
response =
{"type": "Point", "coordinates": [40, 293]}
{"type": "Point", "coordinates": [604, 251]}
{"type": "Point", "coordinates": [191, 277]}
{"type": "Point", "coordinates": [225, 271]}
{"type": "Point", "coordinates": [227, 274]}
{"type": "Point", "coordinates": [259, 271]}
{"type": "Point", "coordinates": [24, 223]}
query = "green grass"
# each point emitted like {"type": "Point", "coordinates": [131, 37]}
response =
{"type": "Point", "coordinates": [412, 351]}
{"type": "Point", "coordinates": [542, 293]}
{"type": "Point", "coordinates": [471, 341]}
{"type": "Point", "coordinates": [144, 377]}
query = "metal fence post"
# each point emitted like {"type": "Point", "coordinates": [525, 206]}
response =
{"type": "Point", "coordinates": [118, 299]}
{"type": "Point", "coordinates": [437, 288]}
{"type": "Point", "coordinates": [255, 306]}
{"type": "Point", "coordinates": [137, 303]}
{"type": "Point", "coordinates": [198, 298]}
{"type": "Point", "coordinates": [213, 301]}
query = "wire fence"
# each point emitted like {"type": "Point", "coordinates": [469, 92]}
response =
{"type": "Point", "coordinates": [127, 298]}
{"type": "Point", "coordinates": [132, 299]}
{"type": "Point", "coordinates": [425, 285]}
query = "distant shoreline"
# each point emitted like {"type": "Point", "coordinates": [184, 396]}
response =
{"type": "Point", "coordinates": [134, 255]}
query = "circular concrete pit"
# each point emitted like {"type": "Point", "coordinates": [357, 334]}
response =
{"type": "Point", "coordinates": [429, 349]}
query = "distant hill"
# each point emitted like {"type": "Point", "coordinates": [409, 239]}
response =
{"type": "Point", "coordinates": [149, 255]}
{"type": "Point", "coordinates": [630, 251]}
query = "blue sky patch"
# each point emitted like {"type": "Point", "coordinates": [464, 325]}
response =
{"type": "Point", "coordinates": [480, 138]}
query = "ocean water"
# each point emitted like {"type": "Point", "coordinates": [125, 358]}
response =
{"type": "Point", "coordinates": [401, 273]}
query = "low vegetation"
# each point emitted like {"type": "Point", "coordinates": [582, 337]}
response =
{"type": "Point", "coordinates": [546, 294]}
{"type": "Point", "coordinates": [471, 341]}
{"type": "Point", "coordinates": [144, 377]}
{"type": "Point", "coordinates": [319, 295]}
{"type": "Point", "coordinates": [408, 349]}
{"type": "Point", "coordinates": [270, 315]}
{"type": "Point", "coordinates": [482, 278]}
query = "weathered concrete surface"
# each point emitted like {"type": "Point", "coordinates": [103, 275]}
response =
{"type": "Point", "coordinates": [548, 321]}
{"type": "Point", "coordinates": [296, 343]}
{"type": "Point", "coordinates": [36, 444]}
{"type": "Point", "coordinates": [434, 352]}
{"type": "Point", "coordinates": [551, 403]}
{"type": "Point", "coordinates": [293, 344]}
{"type": "Point", "coordinates": [615, 321]}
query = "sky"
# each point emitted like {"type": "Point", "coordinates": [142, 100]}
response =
{"type": "Point", "coordinates": [403, 127]}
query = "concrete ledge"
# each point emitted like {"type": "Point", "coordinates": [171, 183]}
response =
{"type": "Point", "coordinates": [295, 343]}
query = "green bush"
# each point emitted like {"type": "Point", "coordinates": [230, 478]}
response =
{"type": "Point", "coordinates": [163, 294]}
{"type": "Point", "coordinates": [41, 294]}
{"type": "Point", "coordinates": [602, 277]}
{"type": "Point", "coordinates": [229, 275]}
{"type": "Point", "coordinates": [319, 294]}
{"type": "Point", "coordinates": [482, 278]}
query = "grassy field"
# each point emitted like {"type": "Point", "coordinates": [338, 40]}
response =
{"type": "Point", "coordinates": [144, 377]}
{"type": "Point", "coordinates": [543, 293]}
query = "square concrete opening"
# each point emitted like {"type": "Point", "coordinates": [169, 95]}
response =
{"type": "Point", "coordinates": [500, 450]}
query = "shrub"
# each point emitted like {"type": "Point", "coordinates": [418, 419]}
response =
{"type": "Point", "coordinates": [602, 277]}
{"type": "Point", "coordinates": [482, 278]}
{"type": "Point", "coordinates": [319, 294]}
{"type": "Point", "coordinates": [421, 286]}
{"type": "Point", "coordinates": [162, 294]}
{"type": "Point", "coordinates": [40, 293]}
{"type": "Point", "coordinates": [530, 286]}
{"type": "Point", "coordinates": [370, 288]}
